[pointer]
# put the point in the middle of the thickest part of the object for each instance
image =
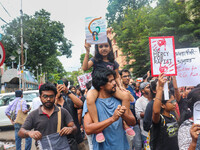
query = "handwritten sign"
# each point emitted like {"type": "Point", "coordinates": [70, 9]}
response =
{"type": "Point", "coordinates": [162, 55]}
{"type": "Point", "coordinates": [95, 29]}
{"type": "Point", "coordinates": [188, 66]}
{"type": "Point", "coordinates": [83, 79]}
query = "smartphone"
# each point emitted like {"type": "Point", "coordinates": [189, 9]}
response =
{"type": "Point", "coordinates": [60, 82]}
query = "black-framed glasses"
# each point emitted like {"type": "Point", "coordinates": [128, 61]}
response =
{"type": "Point", "coordinates": [128, 76]}
{"type": "Point", "coordinates": [48, 96]}
{"type": "Point", "coordinates": [173, 101]}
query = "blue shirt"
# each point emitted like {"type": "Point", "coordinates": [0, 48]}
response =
{"type": "Point", "coordinates": [115, 136]}
{"type": "Point", "coordinates": [132, 92]}
{"type": "Point", "coordinates": [12, 105]}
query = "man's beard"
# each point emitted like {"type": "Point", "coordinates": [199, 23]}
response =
{"type": "Point", "coordinates": [48, 105]}
{"type": "Point", "coordinates": [113, 90]}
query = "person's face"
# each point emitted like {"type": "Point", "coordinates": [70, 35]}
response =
{"type": "Point", "coordinates": [131, 81]}
{"type": "Point", "coordinates": [125, 78]}
{"type": "Point", "coordinates": [73, 90]}
{"type": "Point", "coordinates": [78, 92]}
{"type": "Point", "coordinates": [170, 104]}
{"type": "Point", "coordinates": [104, 49]}
{"type": "Point", "coordinates": [146, 90]}
{"type": "Point", "coordinates": [47, 99]}
{"type": "Point", "coordinates": [110, 86]}
{"type": "Point", "coordinates": [137, 87]}
{"type": "Point", "coordinates": [188, 89]}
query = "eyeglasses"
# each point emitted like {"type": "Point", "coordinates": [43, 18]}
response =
{"type": "Point", "coordinates": [48, 96]}
{"type": "Point", "coordinates": [126, 76]}
{"type": "Point", "coordinates": [172, 102]}
{"type": "Point", "coordinates": [101, 46]}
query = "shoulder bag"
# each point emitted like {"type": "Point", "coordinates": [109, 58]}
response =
{"type": "Point", "coordinates": [21, 116]}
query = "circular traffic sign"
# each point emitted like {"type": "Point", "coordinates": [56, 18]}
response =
{"type": "Point", "coordinates": [2, 54]}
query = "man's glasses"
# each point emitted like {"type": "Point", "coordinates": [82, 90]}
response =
{"type": "Point", "coordinates": [126, 76]}
{"type": "Point", "coordinates": [173, 101]}
{"type": "Point", "coordinates": [101, 46]}
{"type": "Point", "coordinates": [48, 96]}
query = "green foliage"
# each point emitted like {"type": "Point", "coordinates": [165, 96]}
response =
{"type": "Point", "coordinates": [45, 39]}
{"type": "Point", "coordinates": [81, 60]}
{"type": "Point", "coordinates": [72, 77]}
{"type": "Point", "coordinates": [168, 18]}
{"type": "Point", "coordinates": [117, 9]}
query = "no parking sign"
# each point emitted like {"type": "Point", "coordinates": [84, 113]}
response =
{"type": "Point", "coordinates": [2, 54]}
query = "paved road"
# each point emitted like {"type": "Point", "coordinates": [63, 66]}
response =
{"type": "Point", "coordinates": [8, 135]}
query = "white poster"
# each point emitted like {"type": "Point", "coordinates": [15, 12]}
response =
{"type": "Point", "coordinates": [83, 79]}
{"type": "Point", "coordinates": [162, 56]}
{"type": "Point", "coordinates": [188, 66]}
{"type": "Point", "coordinates": [96, 30]}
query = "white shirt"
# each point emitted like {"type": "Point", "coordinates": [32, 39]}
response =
{"type": "Point", "coordinates": [36, 103]}
{"type": "Point", "coordinates": [140, 106]}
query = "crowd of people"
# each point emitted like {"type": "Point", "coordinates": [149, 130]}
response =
{"type": "Point", "coordinates": [114, 112]}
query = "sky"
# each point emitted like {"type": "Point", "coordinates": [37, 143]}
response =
{"type": "Point", "coordinates": [69, 12]}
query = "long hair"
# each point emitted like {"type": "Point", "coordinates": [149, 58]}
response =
{"type": "Point", "coordinates": [98, 57]}
{"type": "Point", "coordinates": [192, 98]}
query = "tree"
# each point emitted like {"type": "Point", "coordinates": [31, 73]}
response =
{"type": "Point", "coordinates": [118, 8]}
{"type": "Point", "coordinates": [45, 39]}
{"type": "Point", "coordinates": [72, 77]}
{"type": "Point", "coordinates": [168, 18]}
{"type": "Point", "coordinates": [81, 60]}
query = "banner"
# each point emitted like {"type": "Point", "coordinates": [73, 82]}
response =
{"type": "Point", "coordinates": [96, 30]}
{"type": "Point", "coordinates": [162, 56]}
{"type": "Point", "coordinates": [188, 66]}
{"type": "Point", "coordinates": [83, 79]}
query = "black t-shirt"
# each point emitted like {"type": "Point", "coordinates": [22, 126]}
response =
{"type": "Point", "coordinates": [102, 64]}
{"type": "Point", "coordinates": [164, 135]}
{"type": "Point", "coordinates": [69, 105]}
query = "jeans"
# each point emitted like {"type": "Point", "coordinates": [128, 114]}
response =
{"type": "Point", "coordinates": [137, 141]}
{"type": "Point", "coordinates": [198, 143]}
{"type": "Point", "coordinates": [18, 140]}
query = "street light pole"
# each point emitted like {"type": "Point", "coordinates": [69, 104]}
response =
{"type": "Point", "coordinates": [37, 72]}
{"type": "Point", "coordinates": [19, 52]}
{"type": "Point", "coordinates": [22, 54]}
{"type": "Point", "coordinates": [12, 58]}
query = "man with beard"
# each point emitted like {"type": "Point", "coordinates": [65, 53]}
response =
{"type": "Point", "coordinates": [140, 106]}
{"type": "Point", "coordinates": [44, 120]}
{"type": "Point", "coordinates": [137, 142]}
{"type": "Point", "coordinates": [110, 113]}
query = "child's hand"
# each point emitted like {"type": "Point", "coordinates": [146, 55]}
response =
{"type": "Point", "coordinates": [87, 47]}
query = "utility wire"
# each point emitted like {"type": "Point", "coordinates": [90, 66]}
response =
{"type": "Point", "coordinates": [5, 9]}
{"type": "Point", "coordinates": [3, 20]}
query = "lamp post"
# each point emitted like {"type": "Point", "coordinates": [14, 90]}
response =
{"type": "Point", "coordinates": [12, 58]}
{"type": "Point", "coordinates": [37, 72]}
{"type": "Point", "coordinates": [19, 52]}
{"type": "Point", "coordinates": [40, 68]}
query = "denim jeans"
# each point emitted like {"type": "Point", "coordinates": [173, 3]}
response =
{"type": "Point", "coordinates": [198, 143]}
{"type": "Point", "coordinates": [18, 140]}
{"type": "Point", "coordinates": [137, 141]}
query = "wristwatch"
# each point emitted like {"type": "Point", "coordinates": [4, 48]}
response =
{"type": "Point", "coordinates": [69, 92]}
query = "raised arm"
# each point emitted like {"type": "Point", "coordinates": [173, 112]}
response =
{"type": "Point", "coordinates": [177, 94]}
{"type": "Point", "coordinates": [86, 63]}
{"type": "Point", "coordinates": [158, 99]}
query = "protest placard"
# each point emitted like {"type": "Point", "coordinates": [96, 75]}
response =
{"type": "Point", "coordinates": [83, 79]}
{"type": "Point", "coordinates": [96, 30]}
{"type": "Point", "coordinates": [188, 66]}
{"type": "Point", "coordinates": [162, 55]}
